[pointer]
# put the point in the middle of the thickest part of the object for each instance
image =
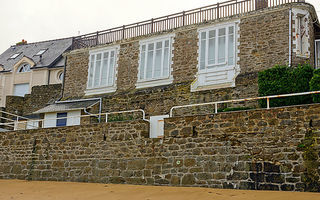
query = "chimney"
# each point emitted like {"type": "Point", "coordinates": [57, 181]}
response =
{"type": "Point", "coordinates": [22, 42]}
{"type": "Point", "coordinates": [261, 4]}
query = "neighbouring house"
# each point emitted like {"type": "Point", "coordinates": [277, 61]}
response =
{"type": "Point", "coordinates": [23, 66]}
{"type": "Point", "coordinates": [203, 55]}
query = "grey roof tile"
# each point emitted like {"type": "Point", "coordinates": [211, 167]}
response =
{"type": "Point", "coordinates": [51, 57]}
{"type": "Point", "coordinates": [67, 106]}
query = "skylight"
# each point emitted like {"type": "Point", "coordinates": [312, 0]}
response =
{"type": "Point", "coordinates": [14, 55]}
{"type": "Point", "coordinates": [41, 52]}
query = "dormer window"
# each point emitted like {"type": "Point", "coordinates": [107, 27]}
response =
{"type": "Point", "coordinates": [14, 55]}
{"type": "Point", "coordinates": [25, 67]}
{"type": "Point", "coordinates": [41, 52]}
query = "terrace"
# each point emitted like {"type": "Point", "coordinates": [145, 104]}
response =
{"type": "Point", "coordinates": [185, 18]}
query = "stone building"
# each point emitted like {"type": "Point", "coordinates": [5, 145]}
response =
{"type": "Point", "coordinates": [204, 55]}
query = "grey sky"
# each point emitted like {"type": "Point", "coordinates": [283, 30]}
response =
{"type": "Point", "coordinates": [37, 20]}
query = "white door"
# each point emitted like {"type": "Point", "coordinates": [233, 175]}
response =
{"type": "Point", "coordinates": [21, 89]}
{"type": "Point", "coordinates": [157, 126]}
{"type": "Point", "coordinates": [73, 118]}
{"type": "Point", "coordinates": [50, 120]}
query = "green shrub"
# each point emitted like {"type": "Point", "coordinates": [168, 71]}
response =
{"type": "Point", "coordinates": [315, 86]}
{"type": "Point", "coordinates": [285, 80]}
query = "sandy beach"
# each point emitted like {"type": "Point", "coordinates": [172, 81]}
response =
{"type": "Point", "coordinates": [44, 190]}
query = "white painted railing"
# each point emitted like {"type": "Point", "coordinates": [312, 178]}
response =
{"type": "Point", "coordinates": [242, 100]}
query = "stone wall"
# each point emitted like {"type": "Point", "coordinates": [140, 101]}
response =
{"type": "Point", "coordinates": [272, 149]}
{"type": "Point", "coordinates": [40, 96]}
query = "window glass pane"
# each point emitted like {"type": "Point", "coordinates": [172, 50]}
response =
{"type": "Point", "coordinates": [166, 43]}
{"type": "Point", "coordinates": [166, 62]}
{"type": "Point", "coordinates": [203, 35]}
{"type": "Point", "coordinates": [222, 31]}
{"type": "Point", "coordinates": [104, 70]}
{"type": "Point", "coordinates": [221, 45]}
{"type": "Point", "coordinates": [157, 67]}
{"type": "Point", "coordinates": [231, 53]}
{"type": "Point", "coordinates": [211, 51]}
{"type": "Point", "coordinates": [202, 54]}
{"type": "Point", "coordinates": [96, 81]}
{"type": "Point", "coordinates": [150, 61]}
{"type": "Point", "coordinates": [212, 33]}
{"type": "Point", "coordinates": [61, 122]}
{"type": "Point", "coordinates": [90, 80]}
{"type": "Point", "coordinates": [142, 64]}
{"type": "Point", "coordinates": [111, 69]}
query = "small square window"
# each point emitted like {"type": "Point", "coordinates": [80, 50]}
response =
{"type": "Point", "coordinates": [41, 52]}
{"type": "Point", "coordinates": [14, 55]}
{"type": "Point", "coordinates": [63, 121]}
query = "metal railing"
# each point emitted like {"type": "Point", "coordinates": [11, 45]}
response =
{"type": "Point", "coordinates": [10, 124]}
{"type": "Point", "coordinates": [27, 123]}
{"type": "Point", "coordinates": [242, 100]}
{"type": "Point", "coordinates": [194, 16]}
{"type": "Point", "coordinates": [129, 111]}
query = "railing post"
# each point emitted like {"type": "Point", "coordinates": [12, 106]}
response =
{"type": "Point", "coordinates": [183, 15]}
{"type": "Point", "coordinates": [152, 25]}
{"type": "Point", "coordinates": [216, 108]}
{"type": "Point", "coordinates": [268, 103]}
{"type": "Point", "coordinates": [97, 38]}
{"type": "Point", "coordinates": [106, 117]}
{"type": "Point", "coordinates": [123, 29]}
{"type": "Point", "coordinates": [218, 10]}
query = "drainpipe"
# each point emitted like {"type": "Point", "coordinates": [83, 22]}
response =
{"type": "Point", "coordinates": [290, 37]}
{"type": "Point", "coordinates": [49, 72]}
{"type": "Point", "coordinates": [100, 110]}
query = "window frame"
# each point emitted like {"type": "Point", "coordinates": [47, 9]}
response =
{"type": "Point", "coordinates": [162, 79]}
{"type": "Point", "coordinates": [101, 89]}
{"type": "Point", "coordinates": [225, 63]}
{"type": "Point", "coordinates": [64, 119]}
{"type": "Point", "coordinates": [21, 68]}
{"type": "Point", "coordinates": [217, 75]}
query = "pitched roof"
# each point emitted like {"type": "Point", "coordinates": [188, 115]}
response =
{"type": "Point", "coordinates": [67, 106]}
{"type": "Point", "coordinates": [52, 55]}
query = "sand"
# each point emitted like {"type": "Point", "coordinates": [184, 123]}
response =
{"type": "Point", "coordinates": [38, 190]}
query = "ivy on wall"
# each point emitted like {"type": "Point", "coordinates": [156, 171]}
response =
{"type": "Point", "coordinates": [286, 80]}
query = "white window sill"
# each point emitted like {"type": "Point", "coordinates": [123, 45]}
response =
{"type": "Point", "coordinates": [302, 55]}
{"type": "Point", "coordinates": [103, 90]}
{"type": "Point", "coordinates": [153, 82]}
{"type": "Point", "coordinates": [198, 88]}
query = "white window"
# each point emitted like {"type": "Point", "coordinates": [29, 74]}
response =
{"type": "Point", "coordinates": [102, 71]}
{"type": "Point", "coordinates": [317, 45]}
{"type": "Point", "coordinates": [41, 52]}
{"type": "Point", "coordinates": [301, 32]}
{"type": "Point", "coordinates": [217, 57]}
{"type": "Point", "coordinates": [21, 89]}
{"type": "Point", "coordinates": [155, 62]}
{"type": "Point", "coordinates": [24, 67]}
{"type": "Point", "coordinates": [14, 55]}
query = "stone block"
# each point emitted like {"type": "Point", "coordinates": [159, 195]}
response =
{"type": "Point", "coordinates": [269, 167]}
{"type": "Point", "coordinates": [275, 178]}
{"type": "Point", "coordinates": [136, 164]}
{"type": "Point", "coordinates": [188, 179]}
